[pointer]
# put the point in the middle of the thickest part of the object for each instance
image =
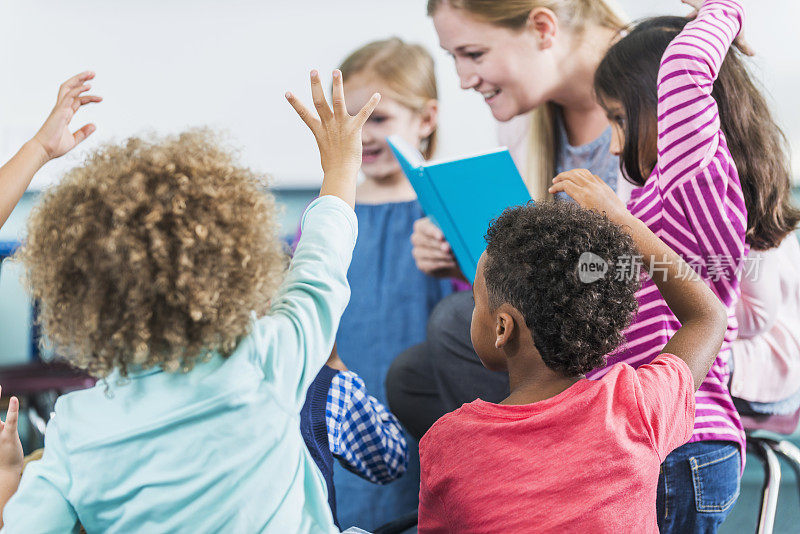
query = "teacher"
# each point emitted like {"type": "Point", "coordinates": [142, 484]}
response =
{"type": "Point", "coordinates": [534, 63]}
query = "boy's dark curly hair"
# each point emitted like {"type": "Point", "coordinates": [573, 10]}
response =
{"type": "Point", "coordinates": [532, 263]}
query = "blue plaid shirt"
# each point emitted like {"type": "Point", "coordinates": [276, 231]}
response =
{"type": "Point", "coordinates": [365, 437]}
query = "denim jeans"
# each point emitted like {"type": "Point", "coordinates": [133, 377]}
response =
{"type": "Point", "coordinates": [697, 487]}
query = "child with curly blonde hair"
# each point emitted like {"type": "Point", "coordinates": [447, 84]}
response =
{"type": "Point", "coordinates": [159, 269]}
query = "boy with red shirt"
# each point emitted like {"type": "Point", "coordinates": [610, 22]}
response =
{"type": "Point", "coordinates": [562, 453]}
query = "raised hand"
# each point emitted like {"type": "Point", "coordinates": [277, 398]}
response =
{"type": "Point", "coordinates": [338, 135]}
{"type": "Point", "coordinates": [54, 136]}
{"type": "Point", "coordinates": [10, 455]}
{"type": "Point", "coordinates": [591, 192]}
{"type": "Point", "coordinates": [51, 141]}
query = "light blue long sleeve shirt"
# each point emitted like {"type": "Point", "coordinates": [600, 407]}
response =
{"type": "Point", "coordinates": [217, 449]}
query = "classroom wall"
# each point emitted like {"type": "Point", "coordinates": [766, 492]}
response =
{"type": "Point", "coordinates": [166, 65]}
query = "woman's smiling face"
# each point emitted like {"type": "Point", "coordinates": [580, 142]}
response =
{"type": "Point", "coordinates": [514, 70]}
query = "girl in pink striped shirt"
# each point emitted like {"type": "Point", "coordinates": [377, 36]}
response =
{"type": "Point", "coordinates": [680, 108]}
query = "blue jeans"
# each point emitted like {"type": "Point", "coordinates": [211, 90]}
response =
{"type": "Point", "coordinates": [697, 487]}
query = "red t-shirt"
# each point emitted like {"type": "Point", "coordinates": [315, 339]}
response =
{"type": "Point", "coordinates": [586, 460]}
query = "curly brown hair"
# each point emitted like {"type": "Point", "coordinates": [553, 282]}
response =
{"type": "Point", "coordinates": [153, 253]}
{"type": "Point", "coordinates": [532, 262]}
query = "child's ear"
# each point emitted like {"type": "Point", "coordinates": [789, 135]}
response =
{"type": "Point", "coordinates": [544, 23]}
{"type": "Point", "coordinates": [504, 329]}
{"type": "Point", "coordinates": [430, 118]}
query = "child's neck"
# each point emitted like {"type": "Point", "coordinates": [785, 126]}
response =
{"type": "Point", "coordinates": [393, 188]}
{"type": "Point", "coordinates": [530, 380]}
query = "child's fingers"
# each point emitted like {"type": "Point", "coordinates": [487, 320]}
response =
{"type": "Point", "coordinates": [83, 133]}
{"type": "Point", "coordinates": [579, 176]}
{"type": "Point", "coordinates": [318, 95]}
{"type": "Point", "coordinates": [75, 91]}
{"type": "Point", "coordinates": [70, 96]}
{"type": "Point", "coordinates": [744, 47]}
{"type": "Point", "coordinates": [565, 185]}
{"type": "Point", "coordinates": [305, 115]}
{"type": "Point", "coordinates": [367, 110]}
{"type": "Point", "coordinates": [83, 100]}
{"type": "Point", "coordinates": [12, 415]}
{"type": "Point", "coordinates": [339, 107]}
{"type": "Point", "coordinates": [75, 81]}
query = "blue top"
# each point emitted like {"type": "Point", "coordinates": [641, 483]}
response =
{"type": "Point", "coordinates": [388, 312]}
{"type": "Point", "coordinates": [595, 156]}
{"type": "Point", "coordinates": [390, 298]}
{"type": "Point", "coordinates": [217, 449]}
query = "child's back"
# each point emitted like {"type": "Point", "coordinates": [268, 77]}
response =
{"type": "Point", "coordinates": [215, 449]}
{"type": "Point", "coordinates": [587, 457]}
{"type": "Point", "coordinates": [218, 447]}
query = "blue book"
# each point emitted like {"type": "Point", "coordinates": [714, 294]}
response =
{"type": "Point", "coordinates": [463, 195]}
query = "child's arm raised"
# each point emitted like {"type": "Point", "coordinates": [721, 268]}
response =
{"type": "Point", "coordinates": [688, 116]}
{"type": "Point", "coordinates": [703, 211]}
{"type": "Point", "coordinates": [293, 342]}
{"type": "Point", "coordinates": [51, 141]}
{"type": "Point", "coordinates": [702, 316]}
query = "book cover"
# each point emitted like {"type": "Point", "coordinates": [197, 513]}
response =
{"type": "Point", "coordinates": [463, 195]}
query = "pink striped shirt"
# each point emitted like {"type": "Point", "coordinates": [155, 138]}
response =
{"type": "Point", "coordinates": [693, 201]}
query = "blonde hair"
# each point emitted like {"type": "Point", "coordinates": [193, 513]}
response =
{"type": "Point", "coordinates": [407, 72]}
{"type": "Point", "coordinates": [513, 14]}
{"type": "Point", "coordinates": [153, 253]}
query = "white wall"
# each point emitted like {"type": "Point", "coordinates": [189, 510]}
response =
{"type": "Point", "coordinates": [168, 64]}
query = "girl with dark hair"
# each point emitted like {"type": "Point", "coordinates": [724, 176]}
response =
{"type": "Point", "coordinates": [691, 129]}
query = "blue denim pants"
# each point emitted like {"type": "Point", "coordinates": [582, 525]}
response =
{"type": "Point", "coordinates": [697, 487]}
